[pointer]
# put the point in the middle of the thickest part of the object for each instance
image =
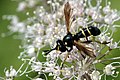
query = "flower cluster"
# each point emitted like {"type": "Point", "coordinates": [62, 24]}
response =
{"type": "Point", "coordinates": [47, 25]}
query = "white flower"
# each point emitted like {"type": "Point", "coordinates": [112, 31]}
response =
{"type": "Point", "coordinates": [66, 72]}
{"type": "Point", "coordinates": [109, 70]}
{"type": "Point", "coordinates": [108, 19]}
{"type": "Point", "coordinates": [111, 17]}
{"type": "Point", "coordinates": [39, 79]}
{"type": "Point", "coordinates": [38, 42]}
{"type": "Point", "coordinates": [50, 66]}
{"type": "Point", "coordinates": [95, 75]}
{"type": "Point", "coordinates": [48, 24]}
{"type": "Point", "coordinates": [31, 51]}
{"type": "Point", "coordinates": [21, 6]}
{"type": "Point", "coordinates": [97, 17]}
{"type": "Point", "coordinates": [106, 9]}
{"type": "Point", "coordinates": [58, 78]}
{"type": "Point", "coordinates": [36, 66]}
{"type": "Point", "coordinates": [57, 71]}
{"type": "Point", "coordinates": [113, 45]}
{"type": "Point", "coordinates": [104, 38]}
{"type": "Point", "coordinates": [32, 3]}
{"type": "Point", "coordinates": [90, 11]}
{"type": "Point", "coordinates": [11, 73]}
{"type": "Point", "coordinates": [53, 54]}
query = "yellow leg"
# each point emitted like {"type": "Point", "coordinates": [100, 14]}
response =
{"type": "Point", "coordinates": [61, 66]}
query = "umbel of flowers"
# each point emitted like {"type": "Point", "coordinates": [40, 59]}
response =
{"type": "Point", "coordinates": [48, 24]}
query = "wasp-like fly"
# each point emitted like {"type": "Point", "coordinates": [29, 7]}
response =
{"type": "Point", "coordinates": [71, 40]}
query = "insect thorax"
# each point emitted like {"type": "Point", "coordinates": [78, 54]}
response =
{"type": "Point", "coordinates": [68, 41]}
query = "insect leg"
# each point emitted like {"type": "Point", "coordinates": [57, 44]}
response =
{"type": "Point", "coordinates": [61, 66]}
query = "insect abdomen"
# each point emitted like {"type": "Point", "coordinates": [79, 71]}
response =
{"type": "Point", "coordinates": [94, 31]}
{"type": "Point", "coordinates": [85, 32]}
{"type": "Point", "coordinates": [79, 35]}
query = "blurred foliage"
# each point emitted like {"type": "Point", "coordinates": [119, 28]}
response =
{"type": "Point", "coordinates": [9, 47]}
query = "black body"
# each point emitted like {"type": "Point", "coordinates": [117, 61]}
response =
{"type": "Point", "coordinates": [68, 41]}
{"type": "Point", "coordinates": [92, 31]}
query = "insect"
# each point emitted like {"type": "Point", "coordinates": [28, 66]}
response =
{"type": "Point", "coordinates": [71, 40]}
{"type": "Point", "coordinates": [86, 76]}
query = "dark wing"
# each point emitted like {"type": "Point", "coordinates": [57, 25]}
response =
{"type": "Point", "coordinates": [86, 76]}
{"type": "Point", "coordinates": [86, 50]}
{"type": "Point", "coordinates": [67, 13]}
